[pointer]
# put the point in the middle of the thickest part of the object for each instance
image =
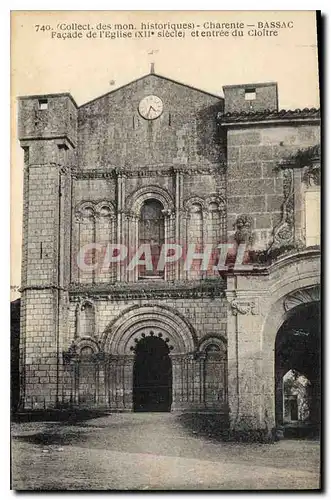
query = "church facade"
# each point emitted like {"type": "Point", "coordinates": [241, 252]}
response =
{"type": "Point", "coordinates": [158, 163]}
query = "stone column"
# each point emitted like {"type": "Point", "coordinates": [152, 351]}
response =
{"type": "Point", "coordinates": [120, 207]}
{"type": "Point", "coordinates": [111, 382]}
{"type": "Point", "coordinates": [113, 270]}
{"type": "Point", "coordinates": [177, 381]}
{"type": "Point", "coordinates": [128, 382]}
{"type": "Point", "coordinates": [178, 213]}
{"type": "Point", "coordinates": [101, 386]}
{"type": "Point", "coordinates": [168, 222]}
{"type": "Point", "coordinates": [202, 359]}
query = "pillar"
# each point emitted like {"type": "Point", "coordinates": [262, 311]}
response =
{"type": "Point", "coordinates": [246, 382]}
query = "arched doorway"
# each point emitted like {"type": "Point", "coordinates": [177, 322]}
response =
{"type": "Point", "coordinates": [297, 370]}
{"type": "Point", "coordinates": [152, 375]}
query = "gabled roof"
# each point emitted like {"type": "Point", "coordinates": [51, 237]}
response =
{"type": "Point", "coordinates": [157, 76]}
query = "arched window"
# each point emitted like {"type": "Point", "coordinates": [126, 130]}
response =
{"type": "Point", "coordinates": [151, 232]}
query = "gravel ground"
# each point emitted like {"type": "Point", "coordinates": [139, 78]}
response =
{"type": "Point", "coordinates": [152, 451]}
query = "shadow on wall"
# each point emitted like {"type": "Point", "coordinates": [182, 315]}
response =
{"type": "Point", "coordinates": [14, 353]}
{"type": "Point", "coordinates": [211, 139]}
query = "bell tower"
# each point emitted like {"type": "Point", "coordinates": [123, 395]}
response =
{"type": "Point", "coordinates": [47, 133]}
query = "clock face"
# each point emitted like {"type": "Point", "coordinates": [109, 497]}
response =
{"type": "Point", "coordinates": [150, 107]}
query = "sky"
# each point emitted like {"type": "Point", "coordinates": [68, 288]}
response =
{"type": "Point", "coordinates": [88, 68]}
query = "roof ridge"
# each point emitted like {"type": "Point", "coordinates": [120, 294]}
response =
{"type": "Point", "coordinates": [154, 75]}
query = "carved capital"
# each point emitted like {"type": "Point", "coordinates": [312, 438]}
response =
{"type": "Point", "coordinates": [243, 307]}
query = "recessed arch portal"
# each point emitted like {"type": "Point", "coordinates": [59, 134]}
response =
{"type": "Point", "coordinates": [120, 335]}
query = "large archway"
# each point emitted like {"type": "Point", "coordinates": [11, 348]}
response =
{"type": "Point", "coordinates": [152, 375]}
{"type": "Point", "coordinates": [168, 379]}
{"type": "Point", "coordinates": [298, 370]}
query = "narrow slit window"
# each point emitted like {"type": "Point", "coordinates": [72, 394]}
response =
{"type": "Point", "coordinates": [43, 104]}
{"type": "Point", "coordinates": [250, 94]}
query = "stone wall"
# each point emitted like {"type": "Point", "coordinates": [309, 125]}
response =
{"type": "Point", "coordinates": [266, 97]}
{"type": "Point", "coordinates": [207, 316]}
{"type": "Point", "coordinates": [255, 179]}
{"type": "Point", "coordinates": [113, 134]}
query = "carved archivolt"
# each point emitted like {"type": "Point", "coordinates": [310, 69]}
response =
{"type": "Point", "coordinates": [215, 203]}
{"type": "Point", "coordinates": [84, 342]}
{"type": "Point", "coordinates": [136, 200]}
{"type": "Point", "coordinates": [194, 204]}
{"type": "Point", "coordinates": [211, 342]}
{"type": "Point", "coordinates": [119, 337]}
{"type": "Point", "coordinates": [211, 204]}
{"type": "Point", "coordinates": [303, 296]}
{"type": "Point", "coordinates": [89, 209]}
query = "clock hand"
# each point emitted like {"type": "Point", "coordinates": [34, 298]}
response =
{"type": "Point", "coordinates": [150, 108]}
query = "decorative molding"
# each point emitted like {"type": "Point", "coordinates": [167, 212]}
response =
{"type": "Point", "coordinates": [149, 333]}
{"type": "Point", "coordinates": [118, 335]}
{"type": "Point", "coordinates": [73, 353]}
{"type": "Point", "coordinates": [209, 340]}
{"type": "Point", "coordinates": [194, 200]}
{"type": "Point", "coordinates": [48, 286]}
{"type": "Point", "coordinates": [94, 210]}
{"type": "Point", "coordinates": [136, 199]}
{"type": "Point", "coordinates": [220, 201]}
{"type": "Point", "coordinates": [122, 291]}
{"type": "Point", "coordinates": [303, 296]}
{"type": "Point", "coordinates": [147, 171]}
{"type": "Point", "coordinates": [283, 233]}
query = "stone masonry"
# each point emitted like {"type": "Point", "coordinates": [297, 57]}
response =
{"type": "Point", "coordinates": [222, 170]}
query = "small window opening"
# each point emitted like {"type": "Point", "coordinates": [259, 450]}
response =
{"type": "Point", "coordinates": [250, 94]}
{"type": "Point", "coordinates": [43, 104]}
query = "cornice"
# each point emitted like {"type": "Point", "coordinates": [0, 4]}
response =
{"type": "Point", "coordinates": [142, 290]}
{"type": "Point", "coordinates": [23, 288]}
{"type": "Point", "coordinates": [112, 173]}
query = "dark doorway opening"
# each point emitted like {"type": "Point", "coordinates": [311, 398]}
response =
{"type": "Point", "coordinates": [152, 376]}
{"type": "Point", "coordinates": [298, 372]}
